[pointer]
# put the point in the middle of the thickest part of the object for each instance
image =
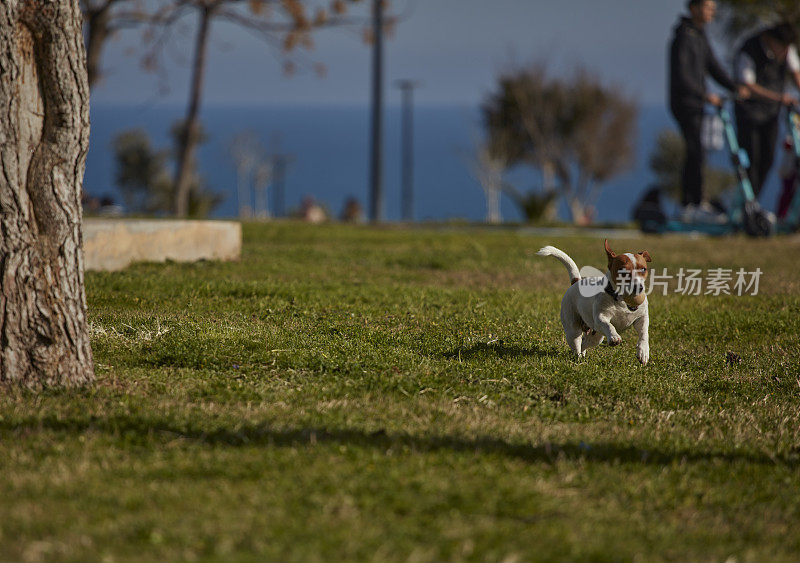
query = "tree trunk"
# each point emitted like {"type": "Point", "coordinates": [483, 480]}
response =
{"type": "Point", "coordinates": [493, 204]}
{"type": "Point", "coordinates": [577, 210]}
{"type": "Point", "coordinates": [549, 187]}
{"type": "Point", "coordinates": [44, 136]}
{"type": "Point", "coordinates": [191, 129]}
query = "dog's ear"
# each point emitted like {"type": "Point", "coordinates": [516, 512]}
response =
{"type": "Point", "coordinates": [610, 253]}
{"type": "Point", "coordinates": [646, 256]}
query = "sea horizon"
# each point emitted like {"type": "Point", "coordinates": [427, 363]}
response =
{"type": "Point", "coordinates": [329, 146]}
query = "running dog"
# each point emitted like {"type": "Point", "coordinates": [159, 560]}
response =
{"type": "Point", "coordinates": [600, 307]}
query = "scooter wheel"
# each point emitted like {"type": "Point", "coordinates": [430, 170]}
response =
{"type": "Point", "coordinates": [759, 223]}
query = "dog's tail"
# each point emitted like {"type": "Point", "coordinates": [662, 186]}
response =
{"type": "Point", "coordinates": [563, 257]}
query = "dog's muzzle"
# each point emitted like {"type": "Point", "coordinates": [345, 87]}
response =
{"type": "Point", "coordinates": [631, 287]}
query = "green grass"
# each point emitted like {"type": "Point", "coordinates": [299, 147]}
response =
{"type": "Point", "coordinates": [364, 394]}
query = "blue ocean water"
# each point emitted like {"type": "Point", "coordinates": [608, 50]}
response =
{"type": "Point", "coordinates": [330, 150]}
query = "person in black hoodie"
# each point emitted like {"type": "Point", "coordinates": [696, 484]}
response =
{"type": "Point", "coordinates": [691, 60]}
{"type": "Point", "coordinates": [763, 63]}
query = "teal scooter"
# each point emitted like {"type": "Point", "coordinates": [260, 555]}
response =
{"type": "Point", "coordinates": [745, 214]}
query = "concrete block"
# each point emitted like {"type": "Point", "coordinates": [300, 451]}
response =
{"type": "Point", "coordinates": [113, 244]}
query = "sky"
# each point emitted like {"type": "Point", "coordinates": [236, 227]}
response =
{"type": "Point", "coordinates": [454, 48]}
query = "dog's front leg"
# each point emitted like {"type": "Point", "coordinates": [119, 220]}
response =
{"type": "Point", "coordinates": [604, 326]}
{"type": "Point", "coordinates": [641, 325]}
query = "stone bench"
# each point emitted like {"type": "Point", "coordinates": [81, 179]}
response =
{"type": "Point", "coordinates": [113, 244]}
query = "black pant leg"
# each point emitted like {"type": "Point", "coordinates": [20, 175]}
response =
{"type": "Point", "coordinates": [691, 124]}
{"type": "Point", "coordinates": [767, 139]}
{"type": "Point", "coordinates": [748, 136]}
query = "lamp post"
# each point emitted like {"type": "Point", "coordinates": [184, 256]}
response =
{"type": "Point", "coordinates": [407, 149]}
{"type": "Point", "coordinates": [376, 157]}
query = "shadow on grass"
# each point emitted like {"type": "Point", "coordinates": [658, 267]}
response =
{"type": "Point", "coordinates": [499, 349]}
{"type": "Point", "coordinates": [141, 431]}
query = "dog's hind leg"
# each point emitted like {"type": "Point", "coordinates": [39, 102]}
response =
{"type": "Point", "coordinates": [575, 342]}
{"type": "Point", "coordinates": [590, 340]}
{"type": "Point", "coordinates": [573, 328]}
{"type": "Point", "coordinates": [574, 333]}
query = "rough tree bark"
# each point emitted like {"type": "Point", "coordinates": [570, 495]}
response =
{"type": "Point", "coordinates": [44, 137]}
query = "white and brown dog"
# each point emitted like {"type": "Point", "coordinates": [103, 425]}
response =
{"type": "Point", "coordinates": [603, 306]}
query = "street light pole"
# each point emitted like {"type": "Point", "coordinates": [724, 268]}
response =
{"type": "Point", "coordinates": [407, 134]}
{"type": "Point", "coordinates": [376, 160]}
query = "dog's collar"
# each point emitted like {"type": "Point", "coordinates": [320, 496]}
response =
{"type": "Point", "coordinates": [613, 293]}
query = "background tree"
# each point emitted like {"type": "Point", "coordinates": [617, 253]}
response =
{"type": "Point", "coordinates": [248, 155]}
{"type": "Point", "coordinates": [289, 22]}
{"type": "Point", "coordinates": [743, 15]}
{"type": "Point", "coordinates": [142, 173]}
{"type": "Point", "coordinates": [262, 178]}
{"type": "Point", "coordinates": [576, 132]}
{"type": "Point", "coordinates": [285, 24]}
{"type": "Point", "coordinates": [143, 176]}
{"type": "Point", "coordinates": [666, 162]}
{"type": "Point", "coordinates": [200, 199]}
{"type": "Point", "coordinates": [535, 205]}
{"type": "Point", "coordinates": [44, 123]}
{"type": "Point", "coordinates": [101, 20]}
{"type": "Point", "coordinates": [488, 169]}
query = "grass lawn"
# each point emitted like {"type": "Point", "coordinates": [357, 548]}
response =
{"type": "Point", "coordinates": [363, 394]}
